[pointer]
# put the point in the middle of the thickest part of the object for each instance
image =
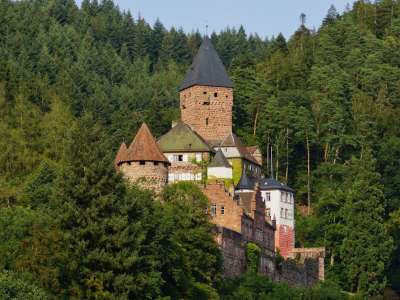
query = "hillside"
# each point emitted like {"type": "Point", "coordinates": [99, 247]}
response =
{"type": "Point", "coordinates": [76, 81]}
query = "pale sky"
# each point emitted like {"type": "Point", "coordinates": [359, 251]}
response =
{"type": "Point", "coordinates": [265, 17]}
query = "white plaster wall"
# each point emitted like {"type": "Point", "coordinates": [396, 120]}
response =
{"type": "Point", "coordinates": [229, 152]}
{"type": "Point", "coordinates": [176, 177]}
{"type": "Point", "coordinates": [276, 204]}
{"type": "Point", "coordinates": [220, 172]}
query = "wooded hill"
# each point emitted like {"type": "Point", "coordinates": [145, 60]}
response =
{"type": "Point", "coordinates": [75, 82]}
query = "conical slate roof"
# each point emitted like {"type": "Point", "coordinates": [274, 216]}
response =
{"type": "Point", "coordinates": [246, 182]}
{"type": "Point", "coordinates": [220, 160]}
{"type": "Point", "coordinates": [207, 69]}
{"type": "Point", "coordinates": [144, 147]}
{"type": "Point", "coordinates": [181, 138]}
{"type": "Point", "coordinates": [121, 154]}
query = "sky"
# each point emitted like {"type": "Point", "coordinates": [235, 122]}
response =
{"type": "Point", "coordinates": [264, 17]}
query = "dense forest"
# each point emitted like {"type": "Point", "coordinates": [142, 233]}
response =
{"type": "Point", "coordinates": [76, 81]}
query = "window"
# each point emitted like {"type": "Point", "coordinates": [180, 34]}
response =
{"type": "Point", "coordinates": [142, 162]}
{"type": "Point", "coordinates": [177, 157]}
{"type": "Point", "coordinates": [282, 212]}
{"type": "Point", "coordinates": [156, 163]}
{"type": "Point", "coordinates": [206, 103]}
{"type": "Point", "coordinates": [222, 210]}
{"type": "Point", "coordinates": [214, 210]}
{"type": "Point", "coordinates": [267, 212]}
{"type": "Point", "coordinates": [206, 121]}
{"type": "Point", "coordinates": [268, 196]}
{"type": "Point", "coordinates": [215, 94]}
{"type": "Point", "coordinates": [286, 213]}
{"type": "Point", "coordinates": [205, 93]}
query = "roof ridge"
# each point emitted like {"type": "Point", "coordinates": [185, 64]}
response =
{"type": "Point", "coordinates": [184, 134]}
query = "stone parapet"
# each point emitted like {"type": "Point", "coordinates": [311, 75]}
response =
{"type": "Point", "coordinates": [148, 175]}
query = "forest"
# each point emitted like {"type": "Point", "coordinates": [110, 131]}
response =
{"type": "Point", "coordinates": [75, 81]}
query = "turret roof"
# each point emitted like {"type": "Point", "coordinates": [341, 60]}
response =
{"type": "Point", "coordinates": [121, 154]}
{"type": "Point", "coordinates": [207, 69]}
{"type": "Point", "coordinates": [246, 182]}
{"type": "Point", "coordinates": [144, 147]}
{"type": "Point", "coordinates": [181, 138]}
{"type": "Point", "coordinates": [220, 160]}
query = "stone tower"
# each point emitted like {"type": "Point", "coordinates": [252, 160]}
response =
{"type": "Point", "coordinates": [206, 95]}
{"type": "Point", "coordinates": [143, 162]}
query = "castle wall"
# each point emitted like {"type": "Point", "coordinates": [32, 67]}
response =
{"type": "Point", "coordinates": [231, 218]}
{"type": "Point", "coordinates": [150, 175]}
{"type": "Point", "coordinates": [294, 272]}
{"type": "Point", "coordinates": [208, 110]}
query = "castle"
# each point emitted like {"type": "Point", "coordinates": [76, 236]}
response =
{"type": "Point", "coordinates": [201, 147]}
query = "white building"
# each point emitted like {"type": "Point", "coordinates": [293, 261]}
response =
{"type": "Point", "coordinates": [279, 203]}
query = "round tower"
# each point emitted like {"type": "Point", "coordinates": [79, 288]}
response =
{"type": "Point", "coordinates": [142, 162]}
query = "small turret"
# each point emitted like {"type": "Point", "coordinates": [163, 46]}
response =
{"type": "Point", "coordinates": [143, 162]}
{"type": "Point", "coordinates": [219, 167]}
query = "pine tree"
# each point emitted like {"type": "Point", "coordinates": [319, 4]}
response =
{"type": "Point", "coordinates": [366, 246]}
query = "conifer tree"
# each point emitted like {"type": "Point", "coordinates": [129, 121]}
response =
{"type": "Point", "coordinates": [366, 246]}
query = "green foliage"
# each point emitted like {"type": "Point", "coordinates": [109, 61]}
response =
{"type": "Point", "coordinates": [14, 287]}
{"type": "Point", "coordinates": [76, 82]}
{"type": "Point", "coordinates": [256, 287]}
{"type": "Point", "coordinates": [253, 253]}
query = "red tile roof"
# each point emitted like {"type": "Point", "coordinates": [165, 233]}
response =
{"type": "Point", "coordinates": [144, 147]}
{"type": "Point", "coordinates": [121, 154]}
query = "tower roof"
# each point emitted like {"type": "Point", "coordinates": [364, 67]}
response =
{"type": "Point", "coordinates": [144, 147]}
{"type": "Point", "coordinates": [121, 154]}
{"type": "Point", "coordinates": [220, 160]}
{"type": "Point", "coordinates": [246, 182]}
{"type": "Point", "coordinates": [181, 138]}
{"type": "Point", "coordinates": [207, 69]}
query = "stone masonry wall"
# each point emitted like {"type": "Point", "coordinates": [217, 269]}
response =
{"type": "Point", "coordinates": [291, 271]}
{"type": "Point", "coordinates": [208, 110]}
{"type": "Point", "coordinates": [218, 195]}
{"type": "Point", "coordinates": [152, 176]}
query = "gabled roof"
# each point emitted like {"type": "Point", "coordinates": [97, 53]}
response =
{"type": "Point", "coordinates": [144, 147]}
{"type": "Point", "coordinates": [181, 138]}
{"type": "Point", "coordinates": [273, 184]}
{"type": "Point", "coordinates": [121, 154]}
{"type": "Point", "coordinates": [207, 69]}
{"type": "Point", "coordinates": [220, 160]}
{"type": "Point", "coordinates": [232, 140]}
